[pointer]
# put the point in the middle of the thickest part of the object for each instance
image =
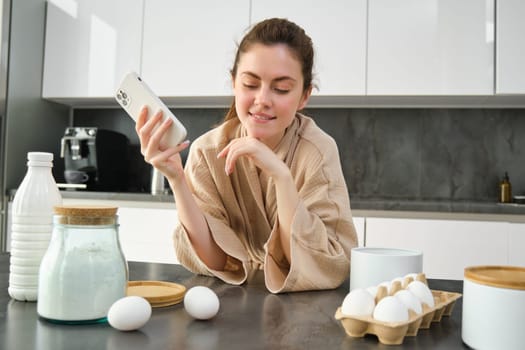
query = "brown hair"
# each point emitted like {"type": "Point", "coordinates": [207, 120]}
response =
{"type": "Point", "coordinates": [275, 31]}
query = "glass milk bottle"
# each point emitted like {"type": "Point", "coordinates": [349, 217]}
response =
{"type": "Point", "coordinates": [84, 270]}
{"type": "Point", "coordinates": [31, 225]}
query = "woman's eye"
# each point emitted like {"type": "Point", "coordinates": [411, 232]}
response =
{"type": "Point", "coordinates": [250, 86]}
{"type": "Point", "coordinates": [281, 91]}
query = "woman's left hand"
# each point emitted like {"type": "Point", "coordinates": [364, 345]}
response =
{"type": "Point", "coordinates": [262, 156]}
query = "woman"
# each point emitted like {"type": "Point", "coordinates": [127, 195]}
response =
{"type": "Point", "coordinates": [265, 189]}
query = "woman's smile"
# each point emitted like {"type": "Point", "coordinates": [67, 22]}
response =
{"type": "Point", "coordinates": [262, 117]}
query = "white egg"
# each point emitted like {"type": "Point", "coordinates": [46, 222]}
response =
{"type": "Point", "coordinates": [129, 313]}
{"type": "Point", "coordinates": [201, 302]}
{"type": "Point", "coordinates": [410, 300]}
{"type": "Point", "coordinates": [421, 291]}
{"type": "Point", "coordinates": [391, 309]}
{"type": "Point", "coordinates": [358, 303]}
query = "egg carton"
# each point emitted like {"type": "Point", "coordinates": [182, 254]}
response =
{"type": "Point", "coordinates": [394, 333]}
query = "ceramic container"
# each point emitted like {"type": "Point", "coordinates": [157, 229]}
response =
{"type": "Point", "coordinates": [371, 266]}
{"type": "Point", "coordinates": [494, 307]}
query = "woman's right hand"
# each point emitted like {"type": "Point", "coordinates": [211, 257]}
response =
{"type": "Point", "coordinates": [169, 163]}
{"type": "Point", "coordinates": [166, 160]}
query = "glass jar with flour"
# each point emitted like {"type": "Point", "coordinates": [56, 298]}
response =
{"type": "Point", "coordinates": [83, 271]}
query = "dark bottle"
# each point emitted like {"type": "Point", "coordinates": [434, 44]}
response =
{"type": "Point", "coordinates": [505, 189]}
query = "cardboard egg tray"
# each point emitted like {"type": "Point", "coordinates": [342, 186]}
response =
{"type": "Point", "coordinates": [393, 333]}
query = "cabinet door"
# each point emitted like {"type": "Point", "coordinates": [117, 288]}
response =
{"type": "Point", "coordinates": [90, 45]}
{"type": "Point", "coordinates": [338, 31]}
{"type": "Point", "coordinates": [510, 47]}
{"type": "Point", "coordinates": [448, 246]}
{"type": "Point", "coordinates": [145, 228]}
{"type": "Point", "coordinates": [430, 47]}
{"type": "Point", "coordinates": [359, 224]}
{"type": "Point", "coordinates": [517, 244]}
{"type": "Point", "coordinates": [146, 234]}
{"type": "Point", "coordinates": [189, 46]}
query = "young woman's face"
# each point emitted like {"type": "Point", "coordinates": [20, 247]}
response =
{"type": "Point", "coordinates": [268, 91]}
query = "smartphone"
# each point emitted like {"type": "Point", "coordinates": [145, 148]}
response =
{"type": "Point", "coordinates": [133, 94]}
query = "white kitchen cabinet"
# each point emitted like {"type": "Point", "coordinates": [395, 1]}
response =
{"type": "Point", "coordinates": [430, 47]}
{"type": "Point", "coordinates": [338, 31]}
{"type": "Point", "coordinates": [145, 228]}
{"type": "Point", "coordinates": [189, 46]}
{"type": "Point", "coordinates": [359, 224]}
{"type": "Point", "coordinates": [146, 234]}
{"type": "Point", "coordinates": [517, 244]}
{"type": "Point", "coordinates": [90, 45]}
{"type": "Point", "coordinates": [368, 52]}
{"type": "Point", "coordinates": [510, 47]}
{"type": "Point", "coordinates": [448, 246]}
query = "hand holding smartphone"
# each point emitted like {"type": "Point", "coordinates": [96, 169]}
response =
{"type": "Point", "coordinates": [133, 94]}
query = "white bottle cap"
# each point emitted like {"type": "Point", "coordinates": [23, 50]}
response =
{"type": "Point", "coordinates": [40, 159]}
{"type": "Point", "coordinates": [40, 156]}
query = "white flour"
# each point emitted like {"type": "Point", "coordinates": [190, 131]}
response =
{"type": "Point", "coordinates": [81, 275]}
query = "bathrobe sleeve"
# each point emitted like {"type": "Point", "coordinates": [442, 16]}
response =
{"type": "Point", "coordinates": [322, 232]}
{"type": "Point", "coordinates": [203, 185]}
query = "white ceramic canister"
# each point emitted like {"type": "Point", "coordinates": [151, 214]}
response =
{"type": "Point", "coordinates": [370, 266]}
{"type": "Point", "coordinates": [494, 307]}
{"type": "Point", "coordinates": [84, 270]}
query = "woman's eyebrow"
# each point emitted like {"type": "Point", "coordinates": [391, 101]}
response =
{"type": "Point", "coordinates": [255, 76]}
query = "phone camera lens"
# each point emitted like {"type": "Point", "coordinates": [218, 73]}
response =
{"type": "Point", "coordinates": [124, 95]}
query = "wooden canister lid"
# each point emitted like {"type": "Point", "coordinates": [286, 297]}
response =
{"type": "Point", "coordinates": [158, 293]}
{"type": "Point", "coordinates": [86, 214]}
{"type": "Point", "coordinates": [511, 277]}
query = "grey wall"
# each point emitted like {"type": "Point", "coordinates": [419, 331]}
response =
{"type": "Point", "coordinates": [30, 123]}
{"type": "Point", "coordinates": [421, 154]}
{"type": "Point", "coordinates": [428, 154]}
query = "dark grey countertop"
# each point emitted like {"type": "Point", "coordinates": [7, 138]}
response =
{"type": "Point", "coordinates": [118, 196]}
{"type": "Point", "coordinates": [443, 206]}
{"type": "Point", "coordinates": [249, 318]}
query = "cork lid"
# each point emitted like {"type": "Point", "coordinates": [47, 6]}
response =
{"type": "Point", "coordinates": [157, 293]}
{"type": "Point", "coordinates": [86, 214]}
{"type": "Point", "coordinates": [511, 277]}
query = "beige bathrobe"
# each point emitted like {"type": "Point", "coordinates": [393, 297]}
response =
{"type": "Point", "coordinates": [241, 211]}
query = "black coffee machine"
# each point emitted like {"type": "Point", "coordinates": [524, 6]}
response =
{"type": "Point", "coordinates": [95, 157]}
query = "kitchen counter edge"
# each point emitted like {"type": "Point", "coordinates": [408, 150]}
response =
{"type": "Point", "coordinates": [391, 208]}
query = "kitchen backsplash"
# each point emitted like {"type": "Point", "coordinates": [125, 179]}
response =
{"type": "Point", "coordinates": [400, 154]}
